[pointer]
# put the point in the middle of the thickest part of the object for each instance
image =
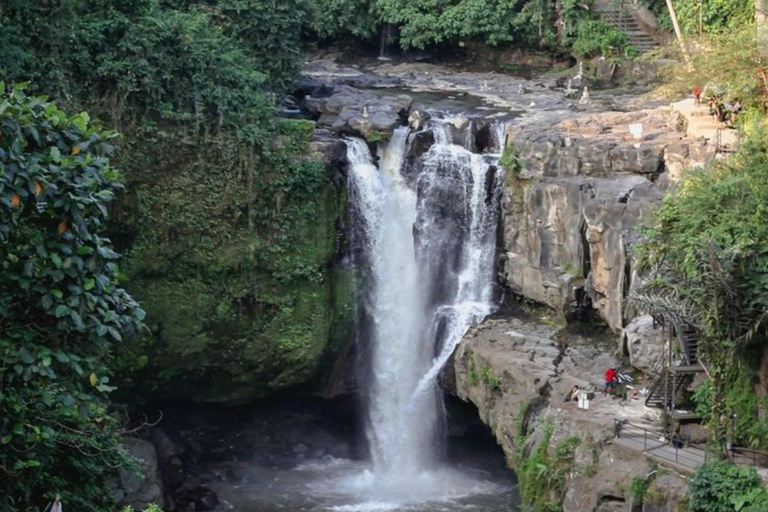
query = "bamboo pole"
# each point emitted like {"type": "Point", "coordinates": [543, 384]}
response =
{"type": "Point", "coordinates": [678, 32]}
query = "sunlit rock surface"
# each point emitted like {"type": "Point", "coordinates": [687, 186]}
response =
{"type": "Point", "coordinates": [572, 213]}
{"type": "Point", "coordinates": [507, 366]}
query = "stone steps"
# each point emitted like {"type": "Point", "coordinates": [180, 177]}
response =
{"type": "Point", "coordinates": [626, 23]}
{"type": "Point", "coordinates": [702, 124]}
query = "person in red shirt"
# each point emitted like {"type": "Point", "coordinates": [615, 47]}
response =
{"type": "Point", "coordinates": [697, 96]}
{"type": "Point", "coordinates": [610, 378]}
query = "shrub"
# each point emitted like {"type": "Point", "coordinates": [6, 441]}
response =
{"type": "Point", "coordinates": [723, 487]}
{"type": "Point", "coordinates": [61, 310]}
{"type": "Point", "coordinates": [595, 38]}
{"type": "Point", "coordinates": [490, 379]}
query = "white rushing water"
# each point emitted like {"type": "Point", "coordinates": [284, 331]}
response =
{"type": "Point", "coordinates": [430, 267]}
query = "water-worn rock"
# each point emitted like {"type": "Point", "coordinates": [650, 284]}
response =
{"type": "Point", "coordinates": [573, 211]}
{"type": "Point", "coordinates": [365, 113]}
{"type": "Point", "coordinates": [139, 489]}
{"type": "Point", "coordinates": [667, 493]}
{"type": "Point", "coordinates": [643, 340]}
{"type": "Point", "coordinates": [331, 149]}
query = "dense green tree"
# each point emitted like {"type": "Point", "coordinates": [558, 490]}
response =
{"type": "Point", "coordinates": [543, 24]}
{"type": "Point", "coordinates": [710, 272]}
{"type": "Point", "coordinates": [713, 15]}
{"type": "Point", "coordinates": [61, 309]}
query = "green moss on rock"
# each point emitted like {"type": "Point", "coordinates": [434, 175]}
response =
{"type": "Point", "coordinates": [233, 259]}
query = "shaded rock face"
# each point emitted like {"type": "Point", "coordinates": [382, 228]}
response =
{"type": "Point", "coordinates": [667, 493]}
{"type": "Point", "coordinates": [573, 212]}
{"type": "Point", "coordinates": [204, 452]}
{"type": "Point", "coordinates": [145, 486]}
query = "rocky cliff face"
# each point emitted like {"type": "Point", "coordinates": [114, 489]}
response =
{"type": "Point", "coordinates": [573, 205]}
{"type": "Point", "coordinates": [572, 213]}
{"type": "Point", "coordinates": [239, 264]}
{"type": "Point", "coordinates": [518, 372]}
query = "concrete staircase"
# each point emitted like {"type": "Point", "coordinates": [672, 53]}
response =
{"type": "Point", "coordinates": [702, 124]}
{"type": "Point", "coordinates": [622, 18]}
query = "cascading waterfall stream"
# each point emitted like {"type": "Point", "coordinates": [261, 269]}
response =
{"type": "Point", "coordinates": [429, 250]}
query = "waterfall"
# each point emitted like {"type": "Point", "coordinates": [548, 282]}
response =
{"type": "Point", "coordinates": [429, 251]}
{"type": "Point", "coordinates": [499, 136]}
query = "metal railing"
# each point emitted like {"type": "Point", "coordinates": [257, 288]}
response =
{"type": "Point", "coordinates": [673, 448]}
{"type": "Point", "coordinates": [661, 445]}
{"type": "Point", "coordinates": [748, 457]}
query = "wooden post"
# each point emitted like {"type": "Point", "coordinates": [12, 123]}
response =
{"type": "Point", "coordinates": [678, 33]}
{"type": "Point", "coordinates": [761, 16]}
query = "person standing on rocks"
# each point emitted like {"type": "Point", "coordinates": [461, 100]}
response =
{"type": "Point", "coordinates": [610, 378]}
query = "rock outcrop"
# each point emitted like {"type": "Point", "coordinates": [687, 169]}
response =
{"type": "Point", "coordinates": [361, 112]}
{"type": "Point", "coordinates": [644, 342]}
{"type": "Point", "coordinates": [144, 486]}
{"type": "Point", "coordinates": [512, 367]}
{"type": "Point", "coordinates": [572, 212]}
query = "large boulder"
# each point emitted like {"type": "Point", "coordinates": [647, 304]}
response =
{"type": "Point", "coordinates": [644, 341]}
{"type": "Point", "coordinates": [667, 493]}
{"type": "Point", "coordinates": [144, 486]}
{"type": "Point", "coordinates": [360, 112]}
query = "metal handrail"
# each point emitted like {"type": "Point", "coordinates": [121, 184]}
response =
{"type": "Point", "coordinates": [650, 437]}
{"type": "Point", "coordinates": [617, 13]}
{"type": "Point", "coordinates": [738, 455]}
{"type": "Point", "coordinates": [758, 458]}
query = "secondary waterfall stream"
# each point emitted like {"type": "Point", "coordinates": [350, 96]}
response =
{"type": "Point", "coordinates": [428, 242]}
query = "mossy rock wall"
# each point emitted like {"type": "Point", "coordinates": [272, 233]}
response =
{"type": "Point", "coordinates": [233, 256]}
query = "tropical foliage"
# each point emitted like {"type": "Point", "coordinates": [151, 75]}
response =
{"type": "Point", "coordinates": [192, 86]}
{"type": "Point", "coordinates": [723, 487]}
{"type": "Point", "coordinates": [713, 15]}
{"type": "Point", "coordinates": [423, 23]}
{"type": "Point", "coordinates": [228, 228]}
{"type": "Point", "coordinates": [710, 272]}
{"type": "Point", "coordinates": [61, 309]}
{"type": "Point", "coordinates": [596, 38]}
